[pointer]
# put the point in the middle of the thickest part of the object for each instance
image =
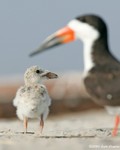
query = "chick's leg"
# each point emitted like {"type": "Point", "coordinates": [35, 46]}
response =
{"type": "Point", "coordinates": [41, 123]}
{"type": "Point", "coordinates": [25, 123]}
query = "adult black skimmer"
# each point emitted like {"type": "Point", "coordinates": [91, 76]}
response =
{"type": "Point", "coordinates": [102, 69]}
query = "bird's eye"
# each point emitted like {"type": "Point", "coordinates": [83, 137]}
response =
{"type": "Point", "coordinates": [39, 71]}
{"type": "Point", "coordinates": [83, 19]}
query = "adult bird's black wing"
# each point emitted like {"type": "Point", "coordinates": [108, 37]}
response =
{"type": "Point", "coordinates": [103, 84]}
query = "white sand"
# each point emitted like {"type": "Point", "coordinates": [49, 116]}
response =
{"type": "Point", "coordinates": [84, 130]}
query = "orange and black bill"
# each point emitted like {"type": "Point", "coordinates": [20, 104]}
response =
{"type": "Point", "coordinates": [62, 36]}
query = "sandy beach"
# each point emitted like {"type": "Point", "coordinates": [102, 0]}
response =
{"type": "Point", "coordinates": [82, 130]}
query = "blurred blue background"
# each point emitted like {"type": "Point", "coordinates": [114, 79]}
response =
{"type": "Point", "coordinates": [25, 24]}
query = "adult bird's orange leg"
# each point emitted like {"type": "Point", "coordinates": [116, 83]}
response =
{"type": "Point", "coordinates": [41, 124]}
{"type": "Point", "coordinates": [117, 121]}
{"type": "Point", "coordinates": [25, 122]}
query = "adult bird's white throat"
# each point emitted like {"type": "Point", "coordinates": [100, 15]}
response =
{"type": "Point", "coordinates": [88, 34]}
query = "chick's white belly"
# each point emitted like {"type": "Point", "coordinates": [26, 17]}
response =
{"type": "Point", "coordinates": [32, 108]}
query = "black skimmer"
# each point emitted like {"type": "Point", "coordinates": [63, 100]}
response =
{"type": "Point", "coordinates": [102, 69]}
{"type": "Point", "coordinates": [32, 99]}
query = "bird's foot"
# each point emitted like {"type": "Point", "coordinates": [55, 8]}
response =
{"type": "Point", "coordinates": [115, 130]}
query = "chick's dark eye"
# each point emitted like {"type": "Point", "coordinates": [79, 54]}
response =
{"type": "Point", "coordinates": [38, 71]}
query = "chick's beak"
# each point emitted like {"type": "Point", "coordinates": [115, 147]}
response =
{"type": "Point", "coordinates": [62, 36]}
{"type": "Point", "coordinates": [50, 75]}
